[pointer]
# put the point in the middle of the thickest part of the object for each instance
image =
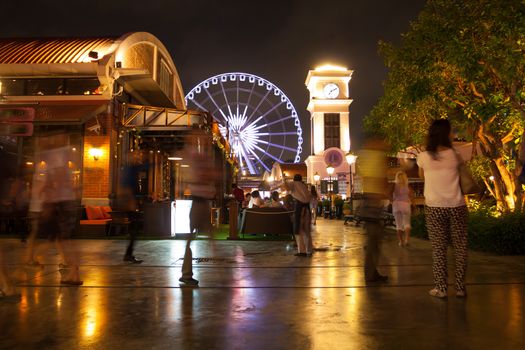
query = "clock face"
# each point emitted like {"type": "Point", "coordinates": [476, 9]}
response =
{"type": "Point", "coordinates": [331, 90]}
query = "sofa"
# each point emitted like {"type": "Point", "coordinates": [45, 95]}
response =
{"type": "Point", "coordinates": [269, 221]}
{"type": "Point", "coordinates": [95, 221]}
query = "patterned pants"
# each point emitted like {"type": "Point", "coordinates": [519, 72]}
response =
{"type": "Point", "coordinates": [445, 225]}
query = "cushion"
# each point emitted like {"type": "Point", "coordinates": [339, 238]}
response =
{"type": "Point", "coordinates": [95, 222]}
{"type": "Point", "coordinates": [94, 213]}
{"type": "Point", "coordinates": [105, 211]}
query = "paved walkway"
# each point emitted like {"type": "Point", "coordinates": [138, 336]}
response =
{"type": "Point", "coordinates": [258, 295]}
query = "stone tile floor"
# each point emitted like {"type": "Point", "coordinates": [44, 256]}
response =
{"type": "Point", "coordinates": [258, 295]}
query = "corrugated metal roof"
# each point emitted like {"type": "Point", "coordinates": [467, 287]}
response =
{"type": "Point", "coordinates": [70, 50]}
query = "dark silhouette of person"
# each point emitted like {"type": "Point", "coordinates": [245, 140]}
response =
{"type": "Point", "coordinates": [127, 203]}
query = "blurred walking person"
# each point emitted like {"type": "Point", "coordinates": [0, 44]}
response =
{"type": "Point", "coordinates": [446, 212]}
{"type": "Point", "coordinates": [401, 203]}
{"type": "Point", "coordinates": [19, 195]}
{"type": "Point", "coordinates": [7, 288]}
{"type": "Point", "coordinates": [200, 176]}
{"type": "Point", "coordinates": [371, 167]}
{"type": "Point", "coordinates": [302, 215]}
{"type": "Point", "coordinates": [126, 206]}
{"type": "Point", "coordinates": [59, 195]}
{"type": "Point", "coordinates": [35, 213]}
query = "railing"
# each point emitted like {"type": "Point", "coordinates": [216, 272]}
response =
{"type": "Point", "coordinates": [158, 118]}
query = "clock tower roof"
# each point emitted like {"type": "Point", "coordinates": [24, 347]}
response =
{"type": "Point", "coordinates": [327, 73]}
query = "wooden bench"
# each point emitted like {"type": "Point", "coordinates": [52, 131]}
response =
{"type": "Point", "coordinates": [387, 217]}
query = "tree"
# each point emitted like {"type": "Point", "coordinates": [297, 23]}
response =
{"type": "Point", "coordinates": [465, 60]}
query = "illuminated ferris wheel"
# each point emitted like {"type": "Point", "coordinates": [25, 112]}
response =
{"type": "Point", "coordinates": [256, 117]}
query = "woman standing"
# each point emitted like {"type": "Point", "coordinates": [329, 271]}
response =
{"type": "Point", "coordinates": [401, 203]}
{"type": "Point", "coordinates": [445, 209]}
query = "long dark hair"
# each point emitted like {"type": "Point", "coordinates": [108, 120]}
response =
{"type": "Point", "coordinates": [313, 191]}
{"type": "Point", "coordinates": [438, 135]}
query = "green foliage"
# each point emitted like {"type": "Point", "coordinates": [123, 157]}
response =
{"type": "Point", "coordinates": [503, 235]}
{"type": "Point", "coordinates": [338, 201]}
{"type": "Point", "coordinates": [480, 167]}
{"type": "Point", "coordinates": [462, 60]}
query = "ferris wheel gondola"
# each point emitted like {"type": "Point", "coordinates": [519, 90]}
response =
{"type": "Point", "coordinates": [256, 117]}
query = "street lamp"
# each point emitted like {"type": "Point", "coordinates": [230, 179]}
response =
{"type": "Point", "coordinates": [330, 170]}
{"type": "Point", "coordinates": [350, 159]}
{"type": "Point", "coordinates": [317, 177]}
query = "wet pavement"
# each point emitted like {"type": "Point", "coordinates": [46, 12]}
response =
{"type": "Point", "coordinates": [258, 295]}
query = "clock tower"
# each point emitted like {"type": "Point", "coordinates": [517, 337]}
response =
{"type": "Point", "coordinates": [329, 120]}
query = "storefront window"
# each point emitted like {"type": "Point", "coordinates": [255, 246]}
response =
{"type": "Point", "coordinates": [11, 87]}
{"type": "Point", "coordinates": [50, 87]}
{"type": "Point", "coordinates": [85, 86]}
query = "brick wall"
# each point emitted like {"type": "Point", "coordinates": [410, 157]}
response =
{"type": "Point", "coordinates": [95, 173]}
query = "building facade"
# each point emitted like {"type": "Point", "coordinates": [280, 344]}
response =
{"type": "Point", "coordinates": [330, 124]}
{"type": "Point", "coordinates": [113, 102]}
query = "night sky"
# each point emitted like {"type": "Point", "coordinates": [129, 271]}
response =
{"type": "Point", "coordinates": [277, 40]}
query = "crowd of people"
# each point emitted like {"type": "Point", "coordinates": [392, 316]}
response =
{"type": "Point", "coordinates": [52, 203]}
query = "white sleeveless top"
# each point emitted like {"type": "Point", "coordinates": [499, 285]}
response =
{"type": "Point", "coordinates": [441, 179]}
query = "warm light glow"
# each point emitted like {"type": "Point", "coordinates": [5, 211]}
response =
{"type": "Point", "coordinates": [329, 67]}
{"type": "Point", "coordinates": [350, 158]}
{"type": "Point", "coordinates": [29, 163]}
{"type": "Point", "coordinates": [317, 177]}
{"type": "Point", "coordinates": [270, 179]}
{"type": "Point", "coordinates": [184, 166]}
{"type": "Point", "coordinates": [96, 153]}
{"type": "Point", "coordinates": [330, 170]}
{"type": "Point", "coordinates": [491, 178]}
{"type": "Point", "coordinates": [174, 158]}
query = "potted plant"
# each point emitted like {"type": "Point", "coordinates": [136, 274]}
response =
{"type": "Point", "coordinates": [347, 209]}
{"type": "Point", "coordinates": [326, 208]}
{"type": "Point", "coordinates": [338, 204]}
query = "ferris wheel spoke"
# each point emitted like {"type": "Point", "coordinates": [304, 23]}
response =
{"type": "Point", "coordinates": [279, 120]}
{"type": "Point", "coordinates": [258, 159]}
{"type": "Point", "coordinates": [259, 105]}
{"type": "Point", "coordinates": [216, 105]}
{"type": "Point", "coordinates": [225, 98]}
{"type": "Point", "coordinates": [200, 106]}
{"type": "Point", "coordinates": [278, 146]}
{"type": "Point", "coordinates": [277, 133]}
{"type": "Point", "coordinates": [250, 95]}
{"type": "Point", "coordinates": [272, 109]}
{"type": "Point", "coordinates": [268, 154]}
{"type": "Point", "coordinates": [247, 159]}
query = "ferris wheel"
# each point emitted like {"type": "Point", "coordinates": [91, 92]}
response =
{"type": "Point", "coordinates": [259, 121]}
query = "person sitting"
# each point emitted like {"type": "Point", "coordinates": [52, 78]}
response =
{"type": "Point", "coordinates": [256, 200]}
{"type": "Point", "coordinates": [274, 201]}
{"type": "Point", "coordinates": [248, 197]}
